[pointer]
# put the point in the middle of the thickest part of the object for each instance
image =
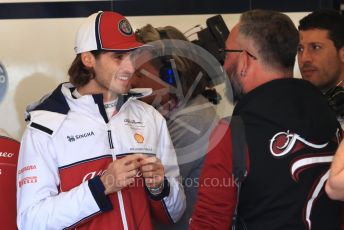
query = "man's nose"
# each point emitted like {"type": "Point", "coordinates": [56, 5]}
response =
{"type": "Point", "coordinates": [305, 56]}
{"type": "Point", "coordinates": [128, 65]}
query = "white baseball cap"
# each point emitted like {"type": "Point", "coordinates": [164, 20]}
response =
{"type": "Point", "coordinates": [108, 31]}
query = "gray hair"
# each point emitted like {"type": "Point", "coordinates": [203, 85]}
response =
{"type": "Point", "coordinates": [274, 35]}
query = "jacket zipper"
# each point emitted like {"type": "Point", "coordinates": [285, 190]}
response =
{"type": "Point", "coordinates": [110, 139]}
{"type": "Point", "coordinates": [119, 193]}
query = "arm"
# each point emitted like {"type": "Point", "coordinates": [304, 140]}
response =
{"type": "Point", "coordinates": [40, 204]}
{"type": "Point", "coordinates": [170, 204]}
{"type": "Point", "coordinates": [335, 183]}
{"type": "Point", "coordinates": [120, 174]}
{"type": "Point", "coordinates": [217, 192]}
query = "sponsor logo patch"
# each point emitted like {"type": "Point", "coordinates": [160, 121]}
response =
{"type": "Point", "coordinates": [143, 149]}
{"type": "Point", "coordinates": [125, 28]}
{"type": "Point", "coordinates": [135, 125]}
{"type": "Point", "coordinates": [28, 180]}
{"type": "Point", "coordinates": [73, 138]}
{"type": "Point", "coordinates": [139, 138]}
{"type": "Point", "coordinates": [27, 168]}
{"type": "Point", "coordinates": [132, 121]}
{"type": "Point", "coordinates": [91, 175]}
{"type": "Point", "coordinates": [6, 154]}
{"type": "Point", "coordinates": [285, 143]}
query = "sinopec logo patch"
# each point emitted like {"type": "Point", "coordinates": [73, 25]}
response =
{"type": "Point", "coordinates": [73, 138]}
{"type": "Point", "coordinates": [3, 81]}
{"type": "Point", "coordinates": [139, 138]}
{"type": "Point", "coordinates": [125, 27]}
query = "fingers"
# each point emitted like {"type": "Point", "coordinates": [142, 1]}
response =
{"type": "Point", "coordinates": [132, 158]}
{"type": "Point", "coordinates": [148, 168]}
{"type": "Point", "coordinates": [132, 165]}
{"type": "Point", "coordinates": [152, 171]}
{"type": "Point", "coordinates": [121, 173]}
{"type": "Point", "coordinates": [131, 173]}
{"type": "Point", "coordinates": [150, 164]}
{"type": "Point", "coordinates": [130, 162]}
{"type": "Point", "coordinates": [149, 160]}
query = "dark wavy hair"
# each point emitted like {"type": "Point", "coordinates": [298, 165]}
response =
{"type": "Point", "coordinates": [79, 74]}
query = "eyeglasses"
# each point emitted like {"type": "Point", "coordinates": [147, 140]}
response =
{"type": "Point", "coordinates": [239, 51]}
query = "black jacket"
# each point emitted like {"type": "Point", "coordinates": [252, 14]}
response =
{"type": "Point", "coordinates": [292, 135]}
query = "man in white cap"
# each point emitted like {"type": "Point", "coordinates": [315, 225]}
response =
{"type": "Point", "coordinates": [92, 156]}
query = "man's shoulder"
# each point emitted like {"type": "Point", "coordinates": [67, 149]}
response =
{"type": "Point", "coordinates": [48, 114]}
{"type": "Point", "coordinates": [144, 108]}
{"type": "Point", "coordinates": [46, 121]}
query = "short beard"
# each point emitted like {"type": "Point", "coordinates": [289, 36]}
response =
{"type": "Point", "coordinates": [237, 88]}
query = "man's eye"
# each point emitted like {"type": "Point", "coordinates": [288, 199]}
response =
{"type": "Point", "coordinates": [119, 56]}
{"type": "Point", "coordinates": [299, 49]}
{"type": "Point", "coordinates": [316, 47]}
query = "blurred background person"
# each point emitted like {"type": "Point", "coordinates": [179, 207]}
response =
{"type": "Point", "coordinates": [320, 55]}
{"type": "Point", "coordinates": [9, 149]}
{"type": "Point", "coordinates": [183, 93]}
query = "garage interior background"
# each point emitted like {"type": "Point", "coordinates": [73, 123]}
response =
{"type": "Point", "coordinates": [37, 39]}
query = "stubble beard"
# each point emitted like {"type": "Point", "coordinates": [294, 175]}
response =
{"type": "Point", "coordinates": [237, 88]}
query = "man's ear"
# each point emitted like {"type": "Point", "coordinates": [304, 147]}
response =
{"type": "Point", "coordinates": [243, 64]}
{"type": "Point", "coordinates": [88, 59]}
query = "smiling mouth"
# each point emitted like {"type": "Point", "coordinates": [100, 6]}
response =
{"type": "Point", "coordinates": [123, 78]}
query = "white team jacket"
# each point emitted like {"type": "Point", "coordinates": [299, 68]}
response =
{"type": "Point", "coordinates": [68, 142]}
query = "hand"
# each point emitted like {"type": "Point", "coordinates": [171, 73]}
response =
{"type": "Point", "coordinates": [121, 173]}
{"type": "Point", "coordinates": [335, 97]}
{"type": "Point", "coordinates": [152, 171]}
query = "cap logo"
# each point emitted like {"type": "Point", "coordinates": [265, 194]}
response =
{"type": "Point", "coordinates": [125, 28]}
